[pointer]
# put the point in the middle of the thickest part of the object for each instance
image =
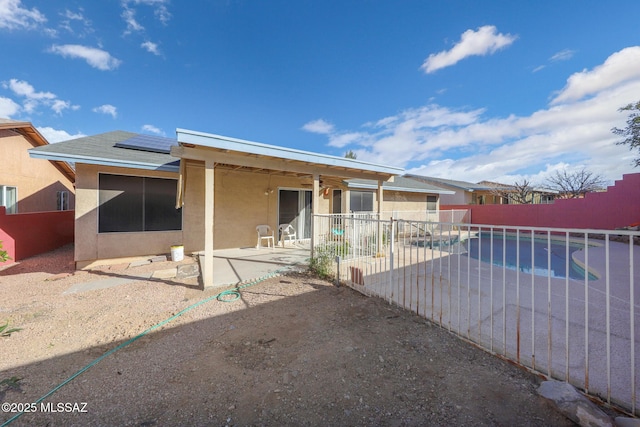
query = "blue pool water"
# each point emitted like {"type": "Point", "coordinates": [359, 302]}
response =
{"type": "Point", "coordinates": [480, 247]}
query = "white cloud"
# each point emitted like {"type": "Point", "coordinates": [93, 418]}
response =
{"type": "Point", "coordinates": [484, 41]}
{"type": "Point", "coordinates": [13, 16]}
{"type": "Point", "coordinates": [151, 47]}
{"type": "Point", "coordinates": [129, 16]}
{"type": "Point", "coordinates": [318, 126]}
{"type": "Point", "coordinates": [95, 57]}
{"type": "Point", "coordinates": [33, 99]}
{"type": "Point", "coordinates": [54, 135]}
{"type": "Point", "coordinates": [59, 106]}
{"type": "Point", "coordinates": [8, 107]}
{"type": "Point", "coordinates": [344, 139]}
{"type": "Point", "coordinates": [563, 55]}
{"type": "Point", "coordinates": [129, 13]}
{"type": "Point", "coordinates": [106, 109]}
{"type": "Point", "coordinates": [23, 88]}
{"type": "Point", "coordinates": [153, 129]}
{"type": "Point", "coordinates": [619, 68]}
{"type": "Point", "coordinates": [70, 18]}
{"type": "Point", "coordinates": [466, 145]}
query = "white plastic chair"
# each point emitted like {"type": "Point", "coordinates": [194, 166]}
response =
{"type": "Point", "coordinates": [264, 233]}
{"type": "Point", "coordinates": [287, 232]}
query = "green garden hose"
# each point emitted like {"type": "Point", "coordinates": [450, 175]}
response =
{"type": "Point", "coordinates": [228, 295]}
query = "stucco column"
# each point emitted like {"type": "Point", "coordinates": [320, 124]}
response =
{"type": "Point", "coordinates": [315, 202]}
{"type": "Point", "coordinates": [379, 210]}
{"type": "Point", "coordinates": [207, 274]}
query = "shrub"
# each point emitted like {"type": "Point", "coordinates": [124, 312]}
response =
{"type": "Point", "coordinates": [322, 262]}
{"type": "Point", "coordinates": [4, 256]}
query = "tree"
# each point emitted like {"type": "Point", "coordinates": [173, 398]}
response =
{"type": "Point", "coordinates": [518, 193]}
{"type": "Point", "coordinates": [632, 131]}
{"type": "Point", "coordinates": [350, 154]}
{"type": "Point", "coordinates": [571, 185]}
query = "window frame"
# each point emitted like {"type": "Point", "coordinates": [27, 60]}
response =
{"type": "Point", "coordinates": [62, 200]}
{"type": "Point", "coordinates": [353, 193]}
{"type": "Point", "coordinates": [13, 209]}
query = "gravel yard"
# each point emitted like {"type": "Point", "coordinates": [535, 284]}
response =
{"type": "Point", "coordinates": [292, 350]}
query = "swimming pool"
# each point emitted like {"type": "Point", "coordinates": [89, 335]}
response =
{"type": "Point", "coordinates": [532, 258]}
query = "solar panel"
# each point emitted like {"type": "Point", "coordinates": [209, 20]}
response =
{"type": "Point", "coordinates": [154, 144]}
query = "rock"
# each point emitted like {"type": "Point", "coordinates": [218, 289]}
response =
{"type": "Point", "coordinates": [186, 271]}
{"type": "Point", "coordinates": [169, 273]}
{"type": "Point", "coordinates": [159, 258]}
{"type": "Point", "coordinates": [139, 263]}
{"type": "Point", "coordinates": [574, 405]}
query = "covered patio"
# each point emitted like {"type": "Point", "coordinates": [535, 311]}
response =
{"type": "Point", "coordinates": [229, 186]}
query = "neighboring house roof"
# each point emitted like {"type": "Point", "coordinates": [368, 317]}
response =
{"type": "Point", "coordinates": [461, 185]}
{"type": "Point", "coordinates": [117, 148]}
{"type": "Point", "coordinates": [36, 139]}
{"type": "Point", "coordinates": [399, 183]}
{"type": "Point", "coordinates": [507, 187]}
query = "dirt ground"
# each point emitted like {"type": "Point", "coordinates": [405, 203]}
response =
{"type": "Point", "coordinates": [292, 350]}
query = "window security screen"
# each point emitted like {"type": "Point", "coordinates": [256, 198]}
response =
{"type": "Point", "coordinates": [131, 203]}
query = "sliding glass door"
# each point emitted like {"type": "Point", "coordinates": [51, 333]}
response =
{"type": "Point", "coordinates": [294, 207]}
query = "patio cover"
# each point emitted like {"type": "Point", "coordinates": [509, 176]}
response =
{"type": "Point", "coordinates": [216, 150]}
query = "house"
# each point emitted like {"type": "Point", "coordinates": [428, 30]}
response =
{"type": "Point", "coordinates": [483, 192]}
{"type": "Point", "coordinates": [140, 194]}
{"type": "Point", "coordinates": [520, 193]}
{"type": "Point", "coordinates": [414, 198]}
{"type": "Point", "coordinates": [464, 193]}
{"type": "Point", "coordinates": [28, 185]}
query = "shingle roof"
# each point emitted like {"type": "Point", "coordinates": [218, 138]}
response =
{"type": "Point", "coordinates": [463, 185]}
{"type": "Point", "coordinates": [400, 183]}
{"type": "Point", "coordinates": [102, 150]}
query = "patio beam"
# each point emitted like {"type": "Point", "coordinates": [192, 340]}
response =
{"type": "Point", "coordinates": [274, 163]}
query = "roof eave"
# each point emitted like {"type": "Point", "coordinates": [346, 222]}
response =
{"type": "Point", "coordinates": [363, 186]}
{"type": "Point", "coordinates": [185, 136]}
{"type": "Point", "coordinates": [104, 162]}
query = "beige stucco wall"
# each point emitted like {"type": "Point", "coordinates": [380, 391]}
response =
{"type": "Point", "coordinates": [91, 245]}
{"type": "Point", "coordinates": [399, 201]}
{"type": "Point", "coordinates": [240, 205]}
{"type": "Point", "coordinates": [460, 197]}
{"type": "Point", "coordinates": [395, 201]}
{"type": "Point", "coordinates": [38, 181]}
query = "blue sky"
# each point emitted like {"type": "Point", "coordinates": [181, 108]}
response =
{"type": "Point", "coordinates": [468, 90]}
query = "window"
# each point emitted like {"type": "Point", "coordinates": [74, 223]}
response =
{"type": "Point", "coordinates": [9, 198]}
{"type": "Point", "coordinates": [62, 202]}
{"type": "Point", "coordinates": [131, 203]}
{"type": "Point", "coordinates": [432, 203]}
{"type": "Point", "coordinates": [337, 202]}
{"type": "Point", "coordinates": [361, 201]}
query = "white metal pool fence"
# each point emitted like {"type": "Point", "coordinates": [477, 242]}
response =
{"type": "Point", "coordinates": [561, 302]}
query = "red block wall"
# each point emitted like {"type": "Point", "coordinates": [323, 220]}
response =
{"type": "Point", "coordinates": [28, 234]}
{"type": "Point", "coordinates": [617, 207]}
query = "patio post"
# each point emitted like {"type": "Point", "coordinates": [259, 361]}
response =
{"type": "Point", "coordinates": [379, 210]}
{"type": "Point", "coordinates": [314, 209]}
{"type": "Point", "coordinates": [207, 274]}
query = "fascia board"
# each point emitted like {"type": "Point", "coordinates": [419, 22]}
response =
{"type": "Point", "coordinates": [232, 144]}
{"type": "Point", "coordinates": [103, 161]}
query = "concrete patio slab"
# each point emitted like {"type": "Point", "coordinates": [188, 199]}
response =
{"type": "Point", "coordinates": [241, 265]}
